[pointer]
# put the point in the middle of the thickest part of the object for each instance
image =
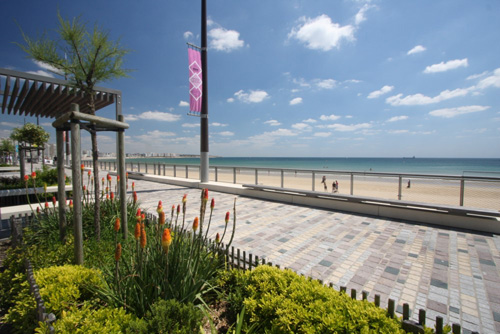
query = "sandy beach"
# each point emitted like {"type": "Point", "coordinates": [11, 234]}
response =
{"type": "Point", "coordinates": [477, 194]}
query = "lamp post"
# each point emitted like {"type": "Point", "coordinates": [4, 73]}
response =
{"type": "Point", "coordinates": [204, 159]}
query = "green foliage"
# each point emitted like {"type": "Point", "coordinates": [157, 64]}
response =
{"type": "Point", "coordinates": [169, 316]}
{"type": "Point", "coordinates": [284, 302]}
{"type": "Point", "coordinates": [12, 265]}
{"type": "Point", "coordinates": [7, 146]}
{"type": "Point", "coordinates": [22, 314]}
{"type": "Point", "coordinates": [46, 176]}
{"type": "Point", "coordinates": [88, 319]}
{"type": "Point", "coordinates": [31, 134]}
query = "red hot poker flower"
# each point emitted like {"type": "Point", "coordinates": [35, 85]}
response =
{"type": "Point", "coordinates": [71, 204]}
{"type": "Point", "coordinates": [212, 204]}
{"type": "Point", "coordinates": [134, 195]}
{"type": "Point", "coordinates": [46, 205]}
{"type": "Point", "coordinates": [159, 208]}
{"type": "Point", "coordinates": [217, 238]}
{"type": "Point", "coordinates": [161, 218]}
{"type": "Point", "coordinates": [178, 208]}
{"type": "Point", "coordinates": [117, 224]}
{"type": "Point", "coordinates": [33, 175]}
{"type": "Point", "coordinates": [137, 231]}
{"type": "Point", "coordinates": [227, 217]}
{"type": "Point", "coordinates": [26, 178]}
{"type": "Point", "coordinates": [196, 223]}
{"type": "Point", "coordinates": [143, 238]}
{"type": "Point", "coordinates": [82, 166]}
{"type": "Point", "coordinates": [54, 200]}
{"type": "Point", "coordinates": [112, 195]}
{"type": "Point", "coordinates": [166, 239]}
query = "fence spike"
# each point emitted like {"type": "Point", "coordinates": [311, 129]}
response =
{"type": "Point", "coordinates": [390, 308]}
{"type": "Point", "coordinates": [377, 300]}
{"type": "Point", "coordinates": [439, 325]}
{"type": "Point", "coordinates": [406, 311]}
{"type": "Point", "coordinates": [421, 317]}
{"type": "Point", "coordinates": [353, 293]}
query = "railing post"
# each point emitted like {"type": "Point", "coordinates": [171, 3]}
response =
{"type": "Point", "coordinates": [313, 179]}
{"type": "Point", "coordinates": [175, 170]}
{"type": "Point", "coordinates": [282, 179]}
{"type": "Point", "coordinates": [352, 184]}
{"type": "Point", "coordinates": [146, 167]}
{"type": "Point", "coordinates": [234, 175]}
{"type": "Point", "coordinates": [216, 174]}
{"type": "Point", "coordinates": [462, 191]}
{"type": "Point", "coordinates": [187, 171]}
{"type": "Point", "coordinates": [256, 176]}
{"type": "Point", "coordinates": [154, 169]}
{"type": "Point", "coordinates": [400, 178]}
{"type": "Point", "coordinates": [139, 167]}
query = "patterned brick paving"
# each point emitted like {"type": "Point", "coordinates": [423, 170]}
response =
{"type": "Point", "coordinates": [451, 273]}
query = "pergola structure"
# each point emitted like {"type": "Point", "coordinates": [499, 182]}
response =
{"type": "Point", "coordinates": [26, 94]}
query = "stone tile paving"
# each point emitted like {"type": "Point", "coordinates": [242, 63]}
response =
{"type": "Point", "coordinates": [451, 273]}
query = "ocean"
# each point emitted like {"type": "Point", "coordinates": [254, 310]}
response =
{"type": "Point", "coordinates": [410, 165]}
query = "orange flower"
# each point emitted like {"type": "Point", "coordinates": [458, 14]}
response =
{"type": "Point", "coordinates": [212, 204]}
{"type": "Point", "coordinates": [84, 187]}
{"type": "Point", "coordinates": [162, 218]}
{"type": "Point", "coordinates": [117, 224]}
{"type": "Point", "coordinates": [71, 204]}
{"type": "Point", "coordinates": [82, 166]}
{"type": "Point", "coordinates": [54, 200]}
{"type": "Point", "coordinates": [89, 173]}
{"type": "Point", "coordinates": [205, 194]}
{"type": "Point", "coordinates": [133, 186]}
{"type": "Point", "coordinates": [137, 231]}
{"type": "Point", "coordinates": [107, 196]}
{"type": "Point", "coordinates": [118, 252]}
{"type": "Point", "coordinates": [134, 196]}
{"type": "Point", "coordinates": [173, 209]}
{"type": "Point", "coordinates": [227, 217]}
{"type": "Point", "coordinates": [143, 238]}
{"type": "Point", "coordinates": [26, 178]}
{"type": "Point", "coordinates": [109, 177]}
{"type": "Point", "coordinates": [102, 181]}
{"type": "Point", "coordinates": [33, 175]}
{"type": "Point", "coordinates": [160, 207]}
{"type": "Point", "coordinates": [37, 209]}
{"type": "Point", "coordinates": [196, 223]}
{"type": "Point", "coordinates": [178, 208]}
{"type": "Point", "coordinates": [117, 178]}
{"type": "Point", "coordinates": [46, 205]}
{"type": "Point", "coordinates": [112, 195]}
{"type": "Point", "coordinates": [184, 198]}
{"type": "Point", "coordinates": [217, 238]}
{"type": "Point", "coordinates": [166, 239]}
{"type": "Point", "coordinates": [126, 175]}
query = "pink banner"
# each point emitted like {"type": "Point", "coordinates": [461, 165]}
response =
{"type": "Point", "coordinates": [195, 80]}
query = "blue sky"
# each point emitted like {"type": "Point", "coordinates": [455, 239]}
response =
{"type": "Point", "coordinates": [346, 78]}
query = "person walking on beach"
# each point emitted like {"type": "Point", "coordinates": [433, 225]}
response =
{"type": "Point", "coordinates": [409, 184]}
{"type": "Point", "coordinates": [323, 180]}
{"type": "Point", "coordinates": [336, 186]}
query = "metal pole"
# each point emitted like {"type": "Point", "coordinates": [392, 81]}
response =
{"type": "Point", "coordinates": [204, 159]}
{"type": "Point", "coordinates": [123, 179]}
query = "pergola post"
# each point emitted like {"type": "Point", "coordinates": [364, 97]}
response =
{"type": "Point", "coordinates": [123, 179]}
{"type": "Point", "coordinates": [61, 184]}
{"type": "Point", "coordinates": [77, 189]}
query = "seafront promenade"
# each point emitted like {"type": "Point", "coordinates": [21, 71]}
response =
{"type": "Point", "coordinates": [450, 273]}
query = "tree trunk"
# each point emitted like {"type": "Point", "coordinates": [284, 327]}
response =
{"type": "Point", "coordinates": [97, 201]}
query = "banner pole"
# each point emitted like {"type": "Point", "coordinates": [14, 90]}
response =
{"type": "Point", "coordinates": [204, 157]}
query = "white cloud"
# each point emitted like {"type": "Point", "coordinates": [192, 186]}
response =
{"type": "Point", "coordinates": [183, 104]}
{"type": "Point", "coordinates": [416, 49]}
{"type": "Point", "coordinates": [321, 33]}
{"type": "Point", "coordinates": [255, 96]}
{"type": "Point", "coordinates": [420, 99]}
{"type": "Point", "coordinates": [322, 134]}
{"type": "Point", "coordinates": [452, 112]}
{"type": "Point", "coordinates": [331, 117]}
{"type": "Point", "coordinates": [295, 101]}
{"type": "Point", "coordinates": [380, 92]}
{"type": "Point", "coordinates": [326, 84]}
{"type": "Point", "coordinates": [301, 126]}
{"type": "Point", "coordinates": [360, 15]}
{"type": "Point", "coordinates": [226, 133]}
{"type": "Point", "coordinates": [187, 35]}
{"type": "Point", "coordinates": [47, 67]}
{"type": "Point", "coordinates": [230, 100]}
{"type": "Point", "coordinates": [155, 134]}
{"type": "Point", "coordinates": [10, 124]}
{"type": "Point", "coordinates": [42, 73]}
{"type": "Point", "coordinates": [309, 120]}
{"type": "Point", "coordinates": [477, 76]}
{"type": "Point", "coordinates": [159, 116]}
{"type": "Point", "coordinates": [225, 40]}
{"type": "Point", "coordinates": [352, 127]}
{"type": "Point", "coordinates": [272, 122]}
{"type": "Point", "coordinates": [449, 65]}
{"type": "Point", "coordinates": [190, 125]}
{"type": "Point", "coordinates": [218, 124]}
{"type": "Point", "coordinates": [397, 132]}
{"type": "Point", "coordinates": [397, 118]}
{"type": "Point", "coordinates": [130, 118]}
{"type": "Point", "coordinates": [492, 80]}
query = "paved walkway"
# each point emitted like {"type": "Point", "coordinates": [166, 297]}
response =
{"type": "Point", "coordinates": [451, 273]}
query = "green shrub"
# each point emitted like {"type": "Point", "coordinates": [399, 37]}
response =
{"type": "Point", "coordinates": [13, 265]}
{"type": "Point", "coordinates": [169, 316]}
{"type": "Point", "coordinates": [87, 319]}
{"type": "Point", "coordinates": [22, 314]}
{"type": "Point", "coordinates": [284, 302]}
